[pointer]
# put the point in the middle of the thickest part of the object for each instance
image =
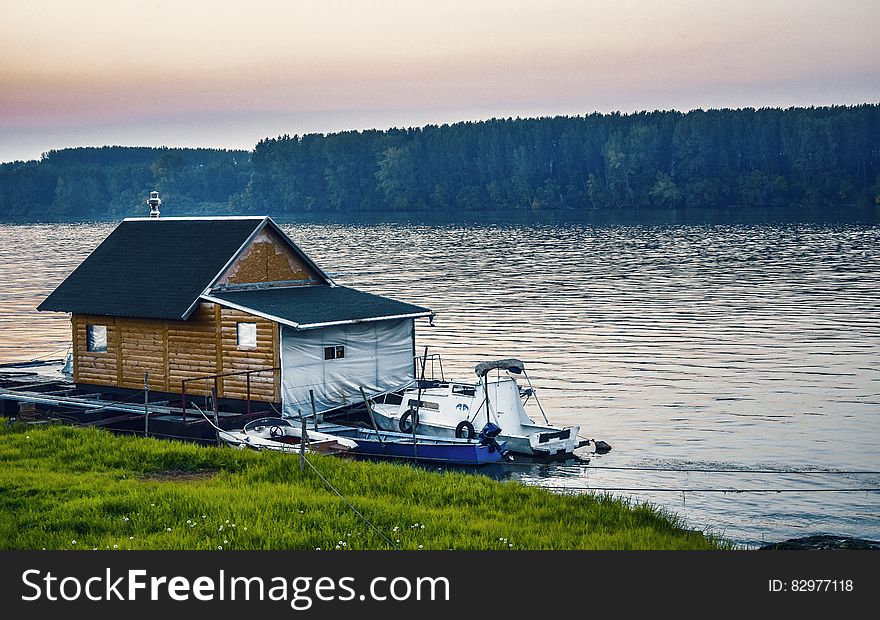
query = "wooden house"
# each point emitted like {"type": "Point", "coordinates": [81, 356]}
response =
{"type": "Point", "coordinates": [231, 301]}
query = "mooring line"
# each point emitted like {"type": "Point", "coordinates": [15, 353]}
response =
{"type": "Point", "coordinates": [741, 471]}
{"type": "Point", "coordinates": [680, 490]}
{"type": "Point", "coordinates": [331, 487]}
{"type": "Point", "coordinates": [356, 511]}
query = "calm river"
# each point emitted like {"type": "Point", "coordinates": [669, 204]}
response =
{"type": "Point", "coordinates": [686, 346]}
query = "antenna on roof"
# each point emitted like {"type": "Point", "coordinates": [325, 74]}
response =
{"type": "Point", "coordinates": [154, 201]}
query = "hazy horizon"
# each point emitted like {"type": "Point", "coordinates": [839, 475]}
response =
{"type": "Point", "coordinates": [195, 74]}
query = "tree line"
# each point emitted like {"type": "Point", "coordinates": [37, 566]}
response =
{"type": "Point", "coordinates": [827, 156]}
{"type": "Point", "coordinates": [114, 181]}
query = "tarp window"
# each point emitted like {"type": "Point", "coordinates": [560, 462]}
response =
{"type": "Point", "coordinates": [96, 338]}
{"type": "Point", "coordinates": [334, 353]}
{"type": "Point", "coordinates": [247, 335]}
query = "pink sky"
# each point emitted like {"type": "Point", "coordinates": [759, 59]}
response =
{"type": "Point", "coordinates": [208, 73]}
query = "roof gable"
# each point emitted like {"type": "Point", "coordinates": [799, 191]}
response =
{"type": "Point", "coordinates": [270, 257]}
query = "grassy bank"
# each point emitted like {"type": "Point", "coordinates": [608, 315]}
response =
{"type": "Point", "coordinates": [72, 488]}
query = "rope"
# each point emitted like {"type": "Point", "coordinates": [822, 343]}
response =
{"type": "Point", "coordinates": [165, 435]}
{"type": "Point", "coordinates": [65, 349]}
{"type": "Point", "coordinates": [355, 510]}
{"type": "Point", "coordinates": [660, 490]}
{"type": "Point", "coordinates": [740, 471]}
{"type": "Point", "coordinates": [35, 359]}
{"type": "Point", "coordinates": [330, 486]}
{"type": "Point", "coordinates": [206, 419]}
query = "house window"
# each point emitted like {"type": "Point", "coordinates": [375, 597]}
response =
{"type": "Point", "coordinates": [96, 338]}
{"type": "Point", "coordinates": [247, 335]}
{"type": "Point", "coordinates": [334, 353]}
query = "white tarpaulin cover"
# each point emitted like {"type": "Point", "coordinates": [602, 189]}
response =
{"type": "Point", "coordinates": [378, 356]}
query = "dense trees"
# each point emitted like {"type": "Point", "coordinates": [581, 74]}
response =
{"type": "Point", "coordinates": [114, 181]}
{"type": "Point", "coordinates": [767, 157]}
{"type": "Point", "coordinates": [711, 158]}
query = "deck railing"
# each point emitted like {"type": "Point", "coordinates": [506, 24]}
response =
{"type": "Point", "coordinates": [215, 392]}
{"type": "Point", "coordinates": [428, 363]}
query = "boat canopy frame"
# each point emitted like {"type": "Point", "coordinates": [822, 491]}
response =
{"type": "Point", "coordinates": [510, 365]}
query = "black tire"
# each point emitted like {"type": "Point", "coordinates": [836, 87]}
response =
{"type": "Point", "coordinates": [408, 420]}
{"type": "Point", "coordinates": [465, 430]}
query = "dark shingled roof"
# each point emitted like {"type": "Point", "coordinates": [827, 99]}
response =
{"type": "Point", "coordinates": [152, 268]}
{"type": "Point", "coordinates": [305, 306]}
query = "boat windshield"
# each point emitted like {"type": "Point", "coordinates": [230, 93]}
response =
{"type": "Point", "coordinates": [263, 423]}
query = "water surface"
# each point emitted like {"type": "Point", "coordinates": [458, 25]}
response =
{"type": "Point", "coordinates": [685, 346]}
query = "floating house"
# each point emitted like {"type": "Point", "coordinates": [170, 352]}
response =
{"type": "Point", "coordinates": [232, 304]}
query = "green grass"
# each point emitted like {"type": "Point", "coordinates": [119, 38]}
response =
{"type": "Point", "coordinates": [61, 484]}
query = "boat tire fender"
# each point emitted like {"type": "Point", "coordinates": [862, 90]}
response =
{"type": "Point", "coordinates": [408, 420]}
{"type": "Point", "coordinates": [465, 430]}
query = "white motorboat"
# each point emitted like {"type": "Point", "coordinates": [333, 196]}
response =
{"type": "Point", "coordinates": [280, 435]}
{"type": "Point", "coordinates": [449, 409]}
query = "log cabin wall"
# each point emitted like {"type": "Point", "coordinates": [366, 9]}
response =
{"type": "Point", "coordinates": [205, 344]}
{"type": "Point", "coordinates": [141, 348]}
{"type": "Point", "coordinates": [265, 385]}
{"type": "Point", "coordinates": [93, 367]}
{"type": "Point", "coordinates": [192, 351]}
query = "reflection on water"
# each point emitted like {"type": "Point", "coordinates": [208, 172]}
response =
{"type": "Point", "coordinates": [693, 346]}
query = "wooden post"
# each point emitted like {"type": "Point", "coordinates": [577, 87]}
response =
{"type": "Point", "coordinates": [183, 399]}
{"type": "Point", "coordinates": [304, 437]}
{"type": "Point", "coordinates": [248, 375]}
{"type": "Point", "coordinates": [146, 403]}
{"type": "Point", "coordinates": [314, 409]}
{"type": "Point", "coordinates": [216, 412]}
{"type": "Point", "coordinates": [372, 418]}
{"type": "Point", "coordinates": [486, 396]}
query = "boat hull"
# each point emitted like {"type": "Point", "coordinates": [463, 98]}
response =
{"type": "Point", "coordinates": [556, 441]}
{"type": "Point", "coordinates": [320, 443]}
{"type": "Point", "coordinates": [396, 445]}
{"type": "Point", "coordinates": [529, 445]}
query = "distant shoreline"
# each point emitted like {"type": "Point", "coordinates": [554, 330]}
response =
{"type": "Point", "coordinates": [735, 214]}
{"type": "Point", "coordinates": [816, 157]}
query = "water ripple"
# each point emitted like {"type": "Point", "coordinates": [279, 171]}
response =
{"type": "Point", "coordinates": [729, 344]}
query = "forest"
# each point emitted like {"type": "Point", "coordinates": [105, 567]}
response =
{"type": "Point", "coordinates": [799, 157]}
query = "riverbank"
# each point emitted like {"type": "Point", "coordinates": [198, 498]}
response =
{"type": "Point", "coordinates": [823, 542]}
{"type": "Point", "coordinates": [74, 488]}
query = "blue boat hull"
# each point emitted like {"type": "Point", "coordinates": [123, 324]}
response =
{"type": "Point", "coordinates": [429, 449]}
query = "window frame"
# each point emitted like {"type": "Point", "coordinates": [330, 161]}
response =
{"type": "Point", "coordinates": [238, 335]}
{"type": "Point", "coordinates": [90, 338]}
{"type": "Point", "coordinates": [334, 352]}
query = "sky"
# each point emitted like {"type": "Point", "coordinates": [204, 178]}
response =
{"type": "Point", "coordinates": [212, 73]}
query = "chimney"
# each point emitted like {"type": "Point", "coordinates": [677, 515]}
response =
{"type": "Point", "coordinates": [154, 201]}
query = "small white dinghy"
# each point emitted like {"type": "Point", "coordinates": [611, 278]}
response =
{"type": "Point", "coordinates": [280, 435]}
{"type": "Point", "coordinates": [448, 409]}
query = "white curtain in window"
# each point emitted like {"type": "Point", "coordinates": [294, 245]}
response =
{"type": "Point", "coordinates": [247, 335]}
{"type": "Point", "coordinates": [96, 338]}
{"type": "Point", "coordinates": [378, 357]}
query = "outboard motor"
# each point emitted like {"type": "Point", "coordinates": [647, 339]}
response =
{"type": "Point", "coordinates": [601, 446]}
{"type": "Point", "coordinates": [487, 438]}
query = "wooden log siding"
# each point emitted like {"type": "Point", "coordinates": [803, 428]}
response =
{"type": "Point", "coordinates": [93, 367]}
{"type": "Point", "coordinates": [171, 351]}
{"type": "Point", "coordinates": [192, 351]}
{"type": "Point", "coordinates": [141, 349]}
{"type": "Point", "coordinates": [238, 360]}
